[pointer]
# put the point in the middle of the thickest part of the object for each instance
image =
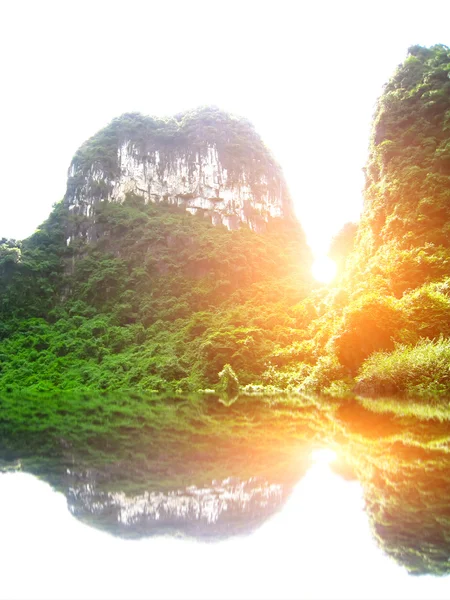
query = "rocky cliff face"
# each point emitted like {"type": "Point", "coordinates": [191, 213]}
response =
{"type": "Point", "coordinates": [206, 161]}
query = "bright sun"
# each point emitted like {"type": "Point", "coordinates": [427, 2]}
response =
{"type": "Point", "coordinates": [323, 456]}
{"type": "Point", "coordinates": [324, 269]}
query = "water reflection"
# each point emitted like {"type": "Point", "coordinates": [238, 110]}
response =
{"type": "Point", "coordinates": [318, 546]}
{"type": "Point", "coordinates": [329, 494]}
{"type": "Point", "coordinates": [223, 508]}
{"type": "Point", "coordinates": [403, 465]}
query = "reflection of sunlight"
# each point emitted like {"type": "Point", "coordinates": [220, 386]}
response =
{"type": "Point", "coordinates": [318, 546]}
{"type": "Point", "coordinates": [323, 456]}
{"type": "Point", "coordinates": [324, 269]}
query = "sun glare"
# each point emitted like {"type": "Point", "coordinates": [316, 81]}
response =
{"type": "Point", "coordinates": [324, 269]}
{"type": "Point", "coordinates": [323, 456]}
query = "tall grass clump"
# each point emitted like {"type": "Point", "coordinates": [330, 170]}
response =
{"type": "Point", "coordinates": [422, 370]}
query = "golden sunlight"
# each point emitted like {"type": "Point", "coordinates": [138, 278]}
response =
{"type": "Point", "coordinates": [324, 269]}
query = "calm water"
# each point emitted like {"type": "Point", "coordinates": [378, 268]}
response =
{"type": "Point", "coordinates": [322, 505]}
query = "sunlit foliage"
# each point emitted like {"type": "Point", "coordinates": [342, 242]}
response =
{"type": "Point", "coordinates": [393, 287]}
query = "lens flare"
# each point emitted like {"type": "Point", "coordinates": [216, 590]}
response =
{"type": "Point", "coordinates": [324, 269]}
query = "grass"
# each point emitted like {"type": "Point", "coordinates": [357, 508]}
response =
{"type": "Point", "coordinates": [421, 371]}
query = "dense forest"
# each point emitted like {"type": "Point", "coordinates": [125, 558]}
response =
{"type": "Point", "coordinates": [162, 300]}
{"type": "Point", "coordinates": [395, 323]}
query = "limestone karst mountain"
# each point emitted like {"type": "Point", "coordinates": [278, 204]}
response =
{"type": "Point", "coordinates": [204, 160]}
{"type": "Point", "coordinates": [174, 253]}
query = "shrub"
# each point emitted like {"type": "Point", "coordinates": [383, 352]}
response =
{"type": "Point", "coordinates": [428, 308]}
{"type": "Point", "coordinates": [327, 370]}
{"type": "Point", "coordinates": [370, 323]}
{"type": "Point", "coordinates": [285, 377]}
{"type": "Point", "coordinates": [228, 382]}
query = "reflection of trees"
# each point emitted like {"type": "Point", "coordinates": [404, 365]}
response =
{"type": "Point", "coordinates": [403, 465]}
{"type": "Point", "coordinates": [224, 470]}
{"type": "Point", "coordinates": [410, 513]}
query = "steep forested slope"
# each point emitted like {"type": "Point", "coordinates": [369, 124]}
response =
{"type": "Point", "coordinates": [398, 276]}
{"type": "Point", "coordinates": [393, 294]}
{"type": "Point", "coordinates": [404, 236]}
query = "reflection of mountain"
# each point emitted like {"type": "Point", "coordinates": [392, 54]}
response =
{"type": "Point", "coordinates": [225, 508]}
{"type": "Point", "coordinates": [214, 471]}
{"type": "Point", "coordinates": [225, 470]}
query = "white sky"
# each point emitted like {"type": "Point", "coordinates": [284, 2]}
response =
{"type": "Point", "coordinates": [307, 74]}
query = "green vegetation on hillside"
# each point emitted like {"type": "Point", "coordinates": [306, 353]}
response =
{"type": "Point", "coordinates": [164, 300]}
{"type": "Point", "coordinates": [403, 244]}
{"type": "Point", "coordinates": [393, 292]}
